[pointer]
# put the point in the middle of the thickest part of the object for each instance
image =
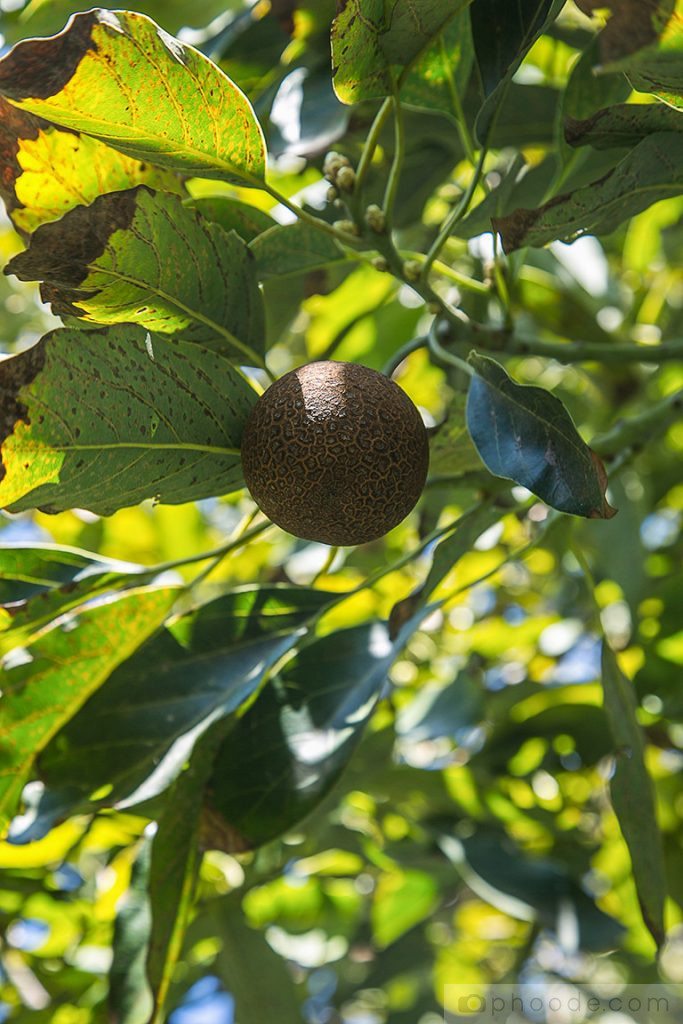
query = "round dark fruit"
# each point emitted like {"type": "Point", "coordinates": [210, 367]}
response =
{"type": "Point", "coordinates": [335, 452]}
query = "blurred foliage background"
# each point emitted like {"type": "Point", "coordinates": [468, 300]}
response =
{"type": "Point", "coordinates": [471, 838]}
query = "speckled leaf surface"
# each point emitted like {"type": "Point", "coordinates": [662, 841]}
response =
{"type": "Point", "coordinates": [438, 78]}
{"type": "Point", "coordinates": [58, 673]}
{"type": "Point", "coordinates": [650, 172]}
{"type": "Point", "coordinates": [144, 257]}
{"type": "Point", "coordinates": [374, 43]}
{"type": "Point", "coordinates": [120, 78]}
{"type": "Point", "coordinates": [290, 249]}
{"type": "Point", "coordinates": [633, 794]}
{"type": "Point", "coordinates": [38, 583]}
{"type": "Point", "coordinates": [46, 171]}
{"type": "Point", "coordinates": [104, 419]}
{"type": "Point", "coordinates": [525, 434]}
{"type": "Point", "coordinates": [232, 215]}
{"type": "Point", "coordinates": [623, 124]}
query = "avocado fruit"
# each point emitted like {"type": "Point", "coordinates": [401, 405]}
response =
{"type": "Point", "coordinates": [335, 452]}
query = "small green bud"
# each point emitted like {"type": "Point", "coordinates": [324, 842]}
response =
{"type": "Point", "coordinates": [347, 226]}
{"type": "Point", "coordinates": [379, 263]}
{"type": "Point", "coordinates": [333, 163]}
{"type": "Point", "coordinates": [346, 178]}
{"type": "Point", "coordinates": [412, 270]}
{"type": "Point", "coordinates": [332, 194]}
{"type": "Point", "coordinates": [375, 218]}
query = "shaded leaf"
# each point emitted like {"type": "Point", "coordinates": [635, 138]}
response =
{"type": "Point", "coordinates": [256, 976]}
{"type": "Point", "coordinates": [502, 34]}
{"type": "Point", "coordinates": [125, 259]}
{"type": "Point", "coordinates": [458, 542]}
{"type": "Point", "coordinates": [130, 1000]}
{"type": "Point", "coordinates": [120, 78]}
{"type": "Point", "coordinates": [644, 38]}
{"type": "Point", "coordinates": [60, 670]}
{"type": "Point", "coordinates": [530, 888]}
{"type": "Point", "coordinates": [650, 172]}
{"type": "Point", "coordinates": [439, 77]}
{"type": "Point", "coordinates": [35, 192]}
{"type": "Point", "coordinates": [375, 43]}
{"type": "Point", "coordinates": [286, 752]}
{"type": "Point", "coordinates": [176, 858]}
{"type": "Point", "coordinates": [141, 727]}
{"type": "Point", "coordinates": [232, 215]}
{"type": "Point", "coordinates": [633, 795]}
{"type": "Point", "coordinates": [103, 419]}
{"type": "Point", "coordinates": [622, 125]}
{"type": "Point", "coordinates": [291, 249]}
{"type": "Point", "coordinates": [525, 434]}
{"type": "Point", "coordinates": [438, 711]}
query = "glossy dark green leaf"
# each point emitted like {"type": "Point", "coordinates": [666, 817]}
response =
{"type": "Point", "coordinates": [438, 711]}
{"type": "Point", "coordinates": [103, 419]}
{"type": "Point", "coordinates": [143, 724]}
{"type": "Point", "coordinates": [118, 77]}
{"type": "Point", "coordinates": [503, 32]}
{"type": "Point", "coordinates": [650, 172]}
{"type": "Point", "coordinates": [525, 434]}
{"type": "Point", "coordinates": [624, 124]}
{"type": "Point", "coordinates": [124, 259]}
{"type": "Point", "coordinates": [287, 751]}
{"type": "Point", "coordinates": [633, 795]}
{"type": "Point", "coordinates": [130, 999]}
{"type": "Point", "coordinates": [374, 44]}
{"type": "Point", "coordinates": [291, 249]}
{"type": "Point", "coordinates": [55, 675]}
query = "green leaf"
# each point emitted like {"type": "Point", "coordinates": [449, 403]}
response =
{"type": "Point", "coordinates": [60, 670]}
{"type": "Point", "coordinates": [374, 43]}
{"type": "Point", "coordinates": [290, 249]}
{"type": "Point", "coordinates": [232, 215]}
{"type": "Point", "coordinates": [458, 542]}
{"type": "Point", "coordinates": [439, 77]}
{"type": "Point", "coordinates": [400, 901]}
{"type": "Point", "coordinates": [125, 259]}
{"type": "Point", "coordinates": [39, 583]}
{"type": "Point", "coordinates": [287, 751]}
{"type": "Point", "coordinates": [130, 999]}
{"type": "Point", "coordinates": [103, 419]}
{"type": "Point", "coordinates": [646, 42]}
{"type": "Point", "coordinates": [622, 125]}
{"type": "Point", "coordinates": [120, 78]}
{"type": "Point", "coordinates": [650, 172]}
{"type": "Point", "coordinates": [139, 729]}
{"type": "Point", "coordinates": [257, 977]}
{"type": "Point", "coordinates": [525, 434]}
{"type": "Point", "coordinates": [503, 33]}
{"type": "Point", "coordinates": [176, 858]}
{"type": "Point", "coordinates": [633, 795]}
{"type": "Point", "coordinates": [31, 150]}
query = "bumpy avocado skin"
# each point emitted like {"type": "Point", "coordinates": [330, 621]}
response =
{"type": "Point", "coordinates": [335, 452]}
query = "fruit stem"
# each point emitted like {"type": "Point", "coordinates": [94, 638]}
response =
{"type": "Point", "coordinates": [365, 161]}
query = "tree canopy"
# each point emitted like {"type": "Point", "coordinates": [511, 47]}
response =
{"type": "Point", "coordinates": [257, 778]}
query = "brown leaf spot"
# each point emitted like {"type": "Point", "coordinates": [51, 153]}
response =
{"type": "Point", "coordinates": [15, 125]}
{"type": "Point", "coordinates": [16, 373]}
{"type": "Point", "coordinates": [60, 253]}
{"type": "Point", "coordinates": [40, 68]}
{"type": "Point", "coordinates": [605, 511]}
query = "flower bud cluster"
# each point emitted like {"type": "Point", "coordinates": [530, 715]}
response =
{"type": "Point", "coordinates": [339, 172]}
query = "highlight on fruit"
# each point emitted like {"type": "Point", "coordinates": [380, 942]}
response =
{"type": "Point", "coordinates": [335, 452]}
